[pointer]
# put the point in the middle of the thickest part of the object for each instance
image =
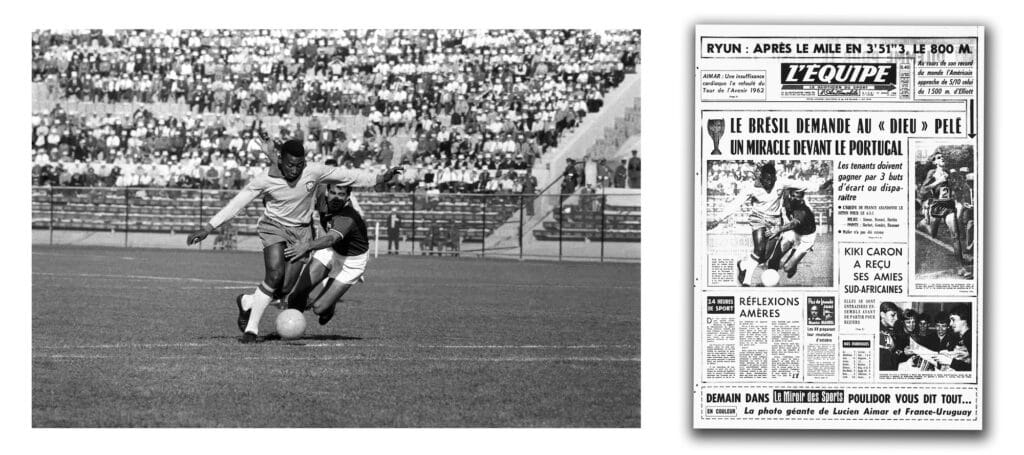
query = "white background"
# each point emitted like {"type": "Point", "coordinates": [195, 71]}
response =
{"type": "Point", "coordinates": [667, 68]}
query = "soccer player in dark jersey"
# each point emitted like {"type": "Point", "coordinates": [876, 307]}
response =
{"type": "Point", "coordinates": [797, 231]}
{"type": "Point", "coordinates": [941, 206]}
{"type": "Point", "coordinates": [340, 256]}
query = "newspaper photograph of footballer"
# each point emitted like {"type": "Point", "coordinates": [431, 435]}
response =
{"type": "Point", "coordinates": [783, 227]}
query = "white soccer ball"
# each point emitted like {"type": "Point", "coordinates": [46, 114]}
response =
{"type": "Point", "coordinates": [770, 278]}
{"type": "Point", "coordinates": [290, 324]}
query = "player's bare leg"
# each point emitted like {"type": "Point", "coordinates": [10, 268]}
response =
{"type": "Point", "coordinates": [933, 226]}
{"type": "Point", "coordinates": [926, 222]}
{"type": "Point", "coordinates": [273, 278]}
{"type": "Point", "coordinates": [759, 238]}
{"type": "Point", "coordinates": [788, 244]}
{"type": "Point", "coordinates": [794, 261]}
{"type": "Point", "coordinates": [310, 275]}
{"type": "Point", "coordinates": [292, 271]}
{"type": "Point", "coordinates": [328, 299]}
{"type": "Point", "coordinates": [966, 269]}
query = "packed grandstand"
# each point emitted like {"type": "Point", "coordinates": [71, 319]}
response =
{"type": "Point", "coordinates": [462, 111]}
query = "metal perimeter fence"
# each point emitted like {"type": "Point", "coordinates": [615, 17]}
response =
{"type": "Point", "coordinates": [583, 226]}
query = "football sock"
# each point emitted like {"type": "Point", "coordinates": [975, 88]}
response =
{"type": "Point", "coordinates": [246, 302]}
{"type": "Point", "coordinates": [751, 265]}
{"type": "Point", "coordinates": [259, 300]}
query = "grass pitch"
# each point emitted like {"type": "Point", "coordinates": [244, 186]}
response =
{"type": "Point", "coordinates": [140, 338]}
{"type": "Point", "coordinates": [815, 270]}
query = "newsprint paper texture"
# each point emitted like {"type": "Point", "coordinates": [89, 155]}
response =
{"type": "Point", "coordinates": [839, 177]}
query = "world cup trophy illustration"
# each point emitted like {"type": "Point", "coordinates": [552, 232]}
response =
{"type": "Point", "coordinates": [716, 127]}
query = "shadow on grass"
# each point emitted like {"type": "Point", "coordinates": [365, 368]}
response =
{"type": "Point", "coordinates": [275, 337]}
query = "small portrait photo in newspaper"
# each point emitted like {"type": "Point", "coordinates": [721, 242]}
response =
{"type": "Point", "coordinates": [770, 223]}
{"type": "Point", "coordinates": [944, 216]}
{"type": "Point", "coordinates": [821, 310]}
{"type": "Point", "coordinates": [923, 337]}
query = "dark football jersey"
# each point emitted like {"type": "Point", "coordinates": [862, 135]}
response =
{"type": "Point", "coordinates": [805, 217]}
{"type": "Point", "coordinates": [349, 223]}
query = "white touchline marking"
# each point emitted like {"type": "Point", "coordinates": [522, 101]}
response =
{"type": "Point", "coordinates": [338, 345]}
{"type": "Point", "coordinates": [396, 283]}
{"type": "Point", "coordinates": [935, 241]}
{"type": "Point", "coordinates": [368, 358]}
{"type": "Point", "coordinates": [128, 345]}
{"type": "Point", "coordinates": [126, 258]}
{"type": "Point", "coordinates": [141, 277]}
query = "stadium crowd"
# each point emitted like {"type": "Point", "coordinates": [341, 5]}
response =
{"type": "Point", "coordinates": [506, 81]}
{"type": "Point", "coordinates": [476, 107]}
{"type": "Point", "coordinates": [143, 150]}
{"type": "Point", "coordinates": [726, 177]}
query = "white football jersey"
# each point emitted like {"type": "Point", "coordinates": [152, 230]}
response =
{"type": "Point", "coordinates": [291, 204]}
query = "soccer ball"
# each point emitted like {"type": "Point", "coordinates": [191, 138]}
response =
{"type": "Point", "coordinates": [770, 278]}
{"type": "Point", "coordinates": [290, 324]}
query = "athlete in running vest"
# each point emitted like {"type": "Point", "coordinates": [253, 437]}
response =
{"type": "Point", "coordinates": [942, 206]}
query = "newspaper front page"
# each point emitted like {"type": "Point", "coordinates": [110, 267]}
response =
{"type": "Point", "coordinates": [839, 242]}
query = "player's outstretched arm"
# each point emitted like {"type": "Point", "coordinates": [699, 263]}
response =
{"type": "Point", "coordinates": [732, 207]}
{"type": "Point", "coordinates": [936, 181]}
{"type": "Point", "coordinates": [350, 177]}
{"type": "Point", "coordinates": [775, 231]}
{"type": "Point", "coordinates": [299, 250]}
{"type": "Point", "coordinates": [269, 147]}
{"type": "Point", "coordinates": [199, 235]}
{"type": "Point", "coordinates": [237, 203]}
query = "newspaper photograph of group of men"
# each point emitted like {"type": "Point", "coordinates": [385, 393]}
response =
{"type": "Point", "coordinates": [838, 227]}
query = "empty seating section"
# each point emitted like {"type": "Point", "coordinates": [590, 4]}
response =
{"type": "Point", "coordinates": [173, 211]}
{"type": "Point", "coordinates": [614, 224]}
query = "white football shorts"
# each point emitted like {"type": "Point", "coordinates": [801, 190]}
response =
{"type": "Point", "coordinates": [344, 269]}
{"type": "Point", "coordinates": [802, 243]}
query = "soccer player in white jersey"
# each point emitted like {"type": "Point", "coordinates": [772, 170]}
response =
{"type": "Point", "coordinates": [285, 222]}
{"type": "Point", "coordinates": [764, 195]}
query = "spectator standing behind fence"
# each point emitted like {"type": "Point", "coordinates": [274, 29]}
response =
{"type": "Point", "coordinates": [569, 178]}
{"type": "Point", "coordinates": [634, 171]}
{"type": "Point", "coordinates": [394, 228]}
{"type": "Point", "coordinates": [604, 174]}
{"type": "Point", "coordinates": [620, 175]}
{"type": "Point", "coordinates": [529, 189]}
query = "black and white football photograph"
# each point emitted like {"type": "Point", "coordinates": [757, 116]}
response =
{"type": "Point", "coordinates": [329, 228]}
{"type": "Point", "coordinates": [773, 220]}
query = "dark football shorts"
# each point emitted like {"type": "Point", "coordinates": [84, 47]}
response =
{"type": "Point", "coordinates": [941, 209]}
